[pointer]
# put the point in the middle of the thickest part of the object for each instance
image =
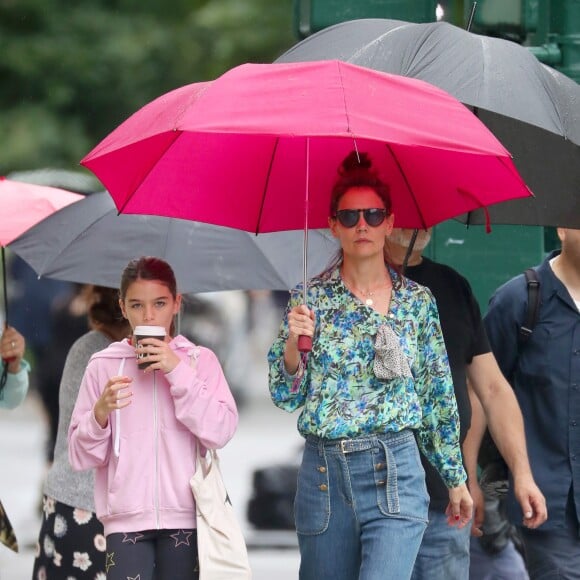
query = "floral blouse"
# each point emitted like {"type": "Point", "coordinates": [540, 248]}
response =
{"type": "Point", "coordinates": [337, 387]}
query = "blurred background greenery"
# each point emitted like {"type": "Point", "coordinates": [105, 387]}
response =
{"type": "Point", "coordinates": [70, 72]}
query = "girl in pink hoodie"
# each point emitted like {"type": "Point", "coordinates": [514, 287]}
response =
{"type": "Point", "coordinates": [139, 430]}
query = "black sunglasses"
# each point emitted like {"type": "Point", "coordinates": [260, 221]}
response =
{"type": "Point", "coordinates": [349, 217]}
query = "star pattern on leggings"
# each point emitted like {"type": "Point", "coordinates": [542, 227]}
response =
{"type": "Point", "coordinates": [138, 577]}
{"type": "Point", "coordinates": [181, 537]}
{"type": "Point", "coordinates": [132, 537]}
{"type": "Point", "coordinates": [110, 561]}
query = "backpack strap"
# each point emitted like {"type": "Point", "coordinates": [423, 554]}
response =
{"type": "Point", "coordinates": [533, 284]}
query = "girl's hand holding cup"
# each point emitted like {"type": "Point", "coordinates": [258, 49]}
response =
{"type": "Point", "coordinates": [152, 348]}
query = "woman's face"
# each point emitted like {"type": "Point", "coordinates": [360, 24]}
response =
{"type": "Point", "coordinates": [362, 240]}
{"type": "Point", "coordinates": [149, 302]}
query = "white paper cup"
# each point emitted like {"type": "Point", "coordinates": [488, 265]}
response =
{"type": "Point", "coordinates": [142, 332]}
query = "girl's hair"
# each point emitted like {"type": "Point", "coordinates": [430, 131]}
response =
{"type": "Point", "coordinates": [356, 171]}
{"type": "Point", "coordinates": [105, 311]}
{"type": "Point", "coordinates": [148, 268]}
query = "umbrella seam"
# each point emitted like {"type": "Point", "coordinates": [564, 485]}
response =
{"type": "Point", "coordinates": [48, 262]}
{"type": "Point", "coordinates": [409, 188]}
{"type": "Point", "coordinates": [377, 40]}
{"type": "Point", "coordinates": [162, 153]}
{"type": "Point", "coordinates": [191, 101]}
{"type": "Point", "coordinates": [344, 98]}
{"type": "Point", "coordinates": [266, 185]}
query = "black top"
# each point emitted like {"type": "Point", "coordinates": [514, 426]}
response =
{"type": "Point", "coordinates": [465, 338]}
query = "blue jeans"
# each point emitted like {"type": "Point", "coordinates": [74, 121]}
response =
{"type": "Point", "coordinates": [361, 508]}
{"type": "Point", "coordinates": [554, 554]}
{"type": "Point", "coordinates": [444, 551]}
{"type": "Point", "coordinates": [505, 565]}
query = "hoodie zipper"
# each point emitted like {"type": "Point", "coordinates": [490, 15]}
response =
{"type": "Point", "coordinates": [156, 437]}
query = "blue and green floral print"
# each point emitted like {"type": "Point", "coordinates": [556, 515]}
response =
{"type": "Point", "coordinates": [338, 390]}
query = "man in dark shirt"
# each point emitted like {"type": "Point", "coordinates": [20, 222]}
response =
{"type": "Point", "coordinates": [545, 373]}
{"type": "Point", "coordinates": [444, 552]}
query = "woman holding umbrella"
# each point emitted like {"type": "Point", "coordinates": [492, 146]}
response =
{"type": "Point", "coordinates": [376, 384]}
{"type": "Point", "coordinates": [14, 373]}
{"type": "Point", "coordinates": [13, 389]}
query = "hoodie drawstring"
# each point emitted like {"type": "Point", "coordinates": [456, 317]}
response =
{"type": "Point", "coordinates": [117, 446]}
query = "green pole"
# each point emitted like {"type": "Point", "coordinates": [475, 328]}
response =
{"type": "Point", "coordinates": [565, 28]}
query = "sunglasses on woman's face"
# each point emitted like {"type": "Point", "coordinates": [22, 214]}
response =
{"type": "Point", "coordinates": [349, 217]}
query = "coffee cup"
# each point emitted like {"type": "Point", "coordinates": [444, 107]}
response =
{"type": "Point", "coordinates": [142, 332]}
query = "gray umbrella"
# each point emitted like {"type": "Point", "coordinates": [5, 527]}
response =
{"type": "Point", "coordinates": [92, 244]}
{"type": "Point", "coordinates": [531, 108]}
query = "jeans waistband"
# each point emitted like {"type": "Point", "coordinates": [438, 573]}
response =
{"type": "Point", "coordinates": [359, 443]}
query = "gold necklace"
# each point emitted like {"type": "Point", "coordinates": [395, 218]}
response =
{"type": "Point", "coordinates": [368, 295]}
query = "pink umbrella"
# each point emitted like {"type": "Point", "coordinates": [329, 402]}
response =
{"type": "Point", "coordinates": [23, 206]}
{"type": "Point", "coordinates": [258, 148]}
{"type": "Point", "coordinates": [233, 151]}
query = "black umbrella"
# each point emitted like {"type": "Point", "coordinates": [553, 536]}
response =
{"type": "Point", "coordinates": [533, 109]}
{"type": "Point", "coordinates": [88, 242]}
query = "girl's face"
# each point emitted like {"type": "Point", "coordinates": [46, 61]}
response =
{"type": "Point", "coordinates": [362, 239]}
{"type": "Point", "coordinates": [150, 303]}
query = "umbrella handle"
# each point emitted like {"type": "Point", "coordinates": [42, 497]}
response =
{"type": "Point", "coordinates": [304, 343]}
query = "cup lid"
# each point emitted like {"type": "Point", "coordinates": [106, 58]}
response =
{"type": "Point", "coordinates": [149, 330]}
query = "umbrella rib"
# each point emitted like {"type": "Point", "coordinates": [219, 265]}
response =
{"type": "Point", "coordinates": [161, 154]}
{"type": "Point", "coordinates": [266, 185]}
{"type": "Point", "coordinates": [344, 98]}
{"type": "Point", "coordinates": [409, 188]}
{"type": "Point", "coordinates": [52, 259]}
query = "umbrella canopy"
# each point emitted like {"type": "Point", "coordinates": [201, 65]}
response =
{"type": "Point", "coordinates": [24, 205]}
{"type": "Point", "coordinates": [88, 242]}
{"type": "Point", "coordinates": [532, 109]}
{"type": "Point", "coordinates": [246, 150]}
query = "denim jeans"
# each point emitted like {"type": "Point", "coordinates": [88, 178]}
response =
{"type": "Point", "coordinates": [444, 551]}
{"type": "Point", "coordinates": [505, 565]}
{"type": "Point", "coordinates": [361, 508]}
{"type": "Point", "coordinates": [554, 554]}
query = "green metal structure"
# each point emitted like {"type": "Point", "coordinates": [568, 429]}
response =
{"type": "Point", "coordinates": [551, 31]}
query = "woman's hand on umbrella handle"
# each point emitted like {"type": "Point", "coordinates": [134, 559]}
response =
{"type": "Point", "coordinates": [112, 398]}
{"type": "Point", "coordinates": [12, 347]}
{"type": "Point", "coordinates": [460, 509]}
{"type": "Point", "coordinates": [300, 327]}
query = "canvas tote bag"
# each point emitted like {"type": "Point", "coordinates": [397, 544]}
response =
{"type": "Point", "coordinates": [220, 543]}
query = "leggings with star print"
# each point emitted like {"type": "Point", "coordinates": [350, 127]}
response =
{"type": "Point", "coordinates": [152, 555]}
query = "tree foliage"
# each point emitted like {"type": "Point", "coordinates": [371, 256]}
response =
{"type": "Point", "coordinates": [71, 71]}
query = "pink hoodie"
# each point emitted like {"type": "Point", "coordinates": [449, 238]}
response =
{"type": "Point", "coordinates": [143, 484]}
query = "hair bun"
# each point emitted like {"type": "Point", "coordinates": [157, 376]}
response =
{"type": "Point", "coordinates": [355, 161]}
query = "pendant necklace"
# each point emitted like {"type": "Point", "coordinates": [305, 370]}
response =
{"type": "Point", "coordinates": [368, 296]}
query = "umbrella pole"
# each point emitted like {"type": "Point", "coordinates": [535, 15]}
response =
{"type": "Point", "coordinates": [305, 342]}
{"type": "Point", "coordinates": [4, 287]}
{"type": "Point", "coordinates": [4, 372]}
{"type": "Point", "coordinates": [410, 250]}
